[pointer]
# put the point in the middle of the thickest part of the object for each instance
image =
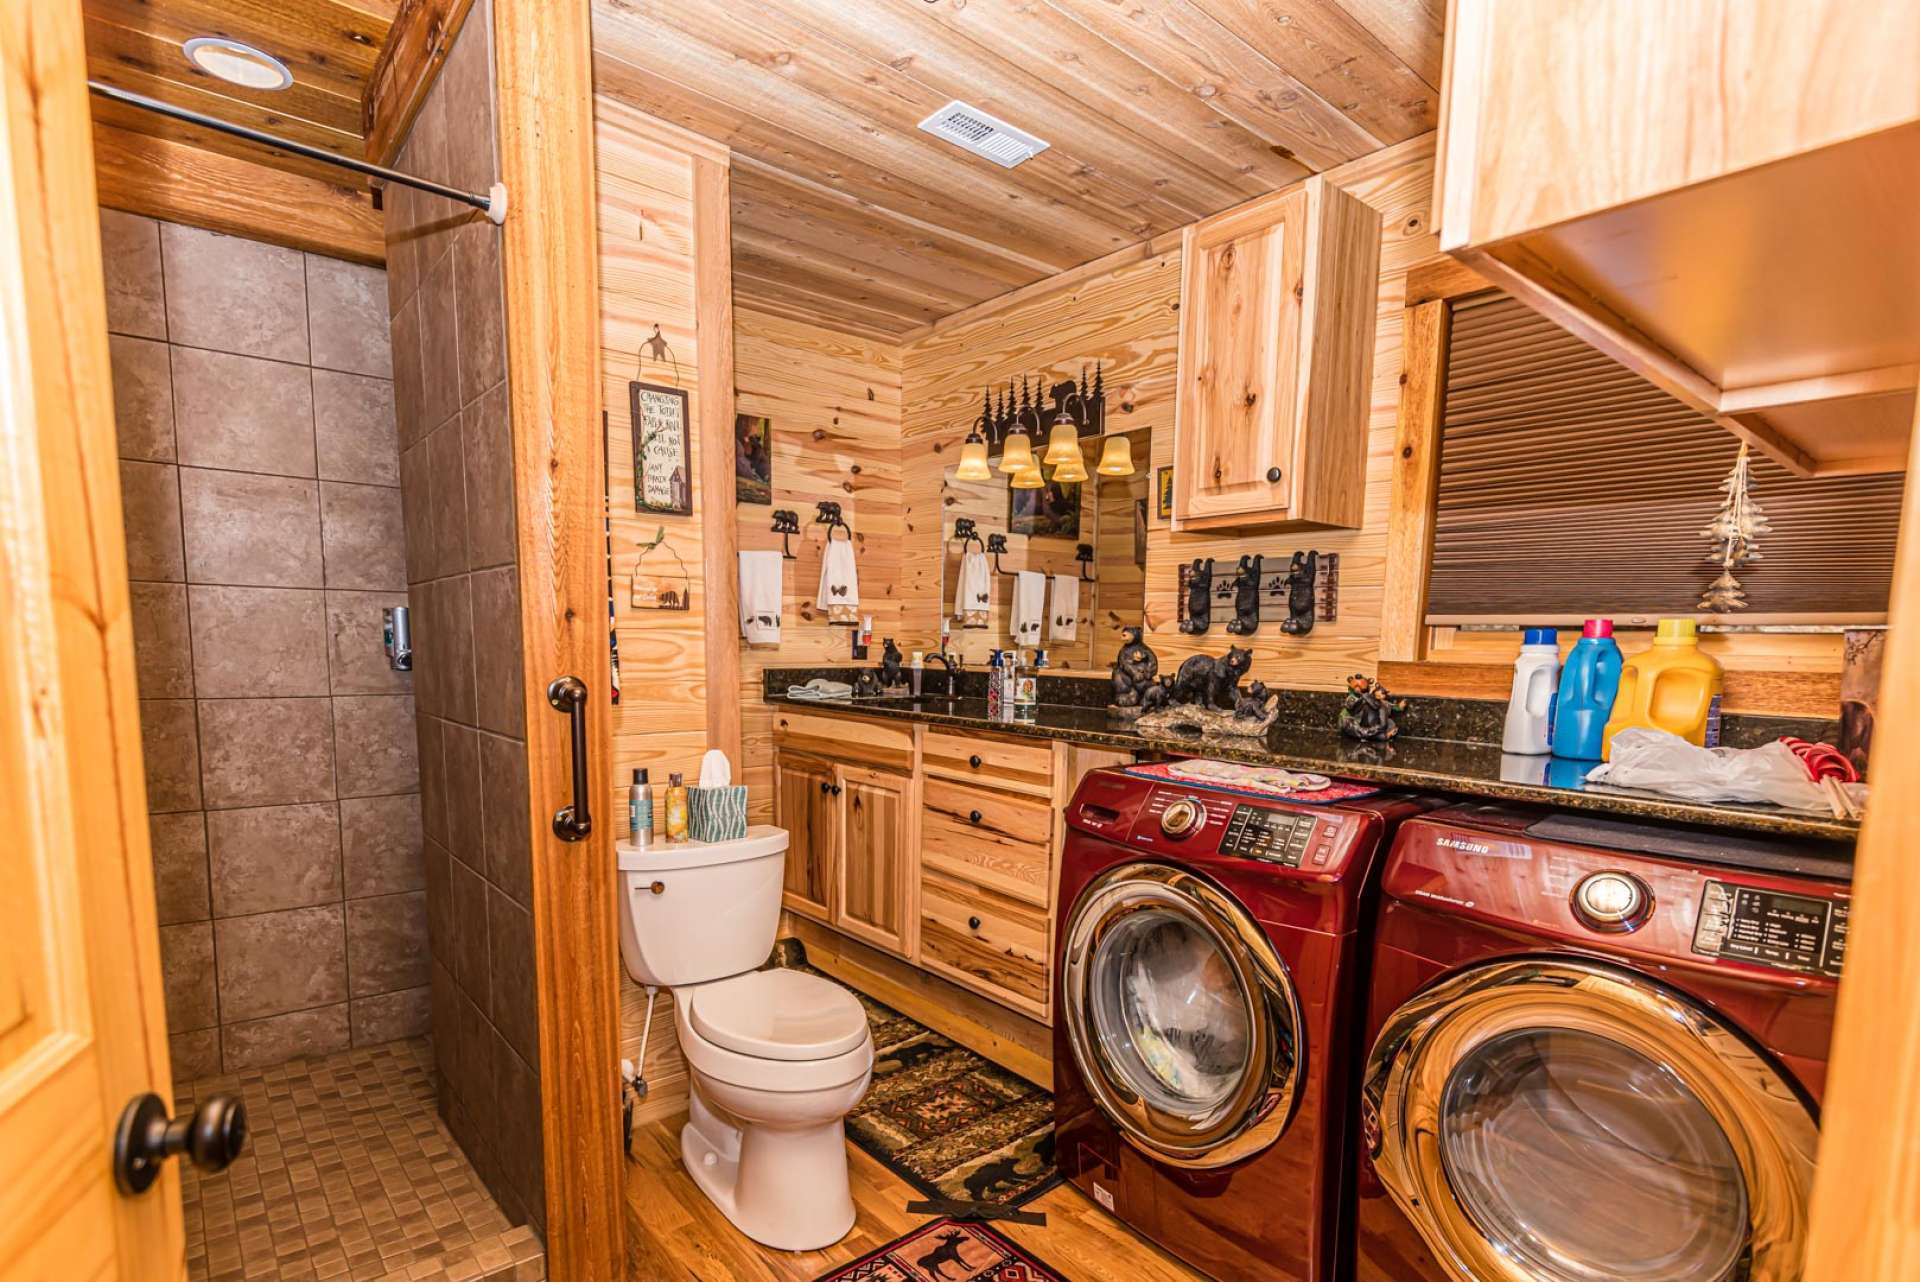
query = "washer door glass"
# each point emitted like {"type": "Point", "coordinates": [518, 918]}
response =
{"type": "Point", "coordinates": [1173, 1020]}
{"type": "Point", "coordinates": [1589, 1161]}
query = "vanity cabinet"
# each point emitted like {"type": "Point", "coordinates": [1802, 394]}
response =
{"type": "Point", "coordinates": [1277, 312]}
{"type": "Point", "coordinates": [805, 806]}
{"type": "Point", "coordinates": [873, 898]}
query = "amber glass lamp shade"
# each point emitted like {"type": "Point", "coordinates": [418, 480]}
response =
{"type": "Point", "coordinates": [1116, 458]}
{"type": "Point", "coordinates": [1028, 478]}
{"type": "Point", "coordinates": [1072, 471]}
{"type": "Point", "coordinates": [1016, 453]}
{"type": "Point", "coordinates": [973, 460]}
{"type": "Point", "coordinates": [1063, 443]}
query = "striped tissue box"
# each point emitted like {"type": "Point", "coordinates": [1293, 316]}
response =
{"type": "Point", "coordinates": [717, 814]}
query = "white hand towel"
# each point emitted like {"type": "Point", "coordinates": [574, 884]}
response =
{"type": "Point", "coordinates": [839, 593]}
{"type": "Point", "coordinates": [1064, 618]}
{"type": "Point", "coordinates": [1029, 606]}
{"type": "Point", "coordinates": [760, 576]}
{"type": "Point", "coordinates": [973, 595]}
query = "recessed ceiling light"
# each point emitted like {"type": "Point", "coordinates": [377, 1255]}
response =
{"type": "Point", "coordinates": [237, 63]}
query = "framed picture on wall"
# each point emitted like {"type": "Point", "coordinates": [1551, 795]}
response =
{"type": "Point", "coordinates": [1163, 492]}
{"type": "Point", "coordinates": [753, 459]}
{"type": "Point", "coordinates": [1050, 512]}
{"type": "Point", "coordinates": [661, 480]}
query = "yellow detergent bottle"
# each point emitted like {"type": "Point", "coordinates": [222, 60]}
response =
{"type": "Point", "coordinates": [1672, 687]}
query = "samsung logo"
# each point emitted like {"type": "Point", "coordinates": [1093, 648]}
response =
{"type": "Point", "coordinates": [1471, 847]}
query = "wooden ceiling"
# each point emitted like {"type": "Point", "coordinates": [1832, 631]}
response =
{"type": "Point", "coordinates": [1159, 112]}
{"type": "Point", "coordinates": [330, 46]}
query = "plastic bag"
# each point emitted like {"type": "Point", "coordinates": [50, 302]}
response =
{"type": "Point", "coordinates": [1656, 761]}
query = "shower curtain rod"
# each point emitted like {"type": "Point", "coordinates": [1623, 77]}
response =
{"type": "Point", "coordinates": [494, 203]}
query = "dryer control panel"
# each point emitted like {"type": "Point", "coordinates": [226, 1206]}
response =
{"type": "Point", "coordinates": [1792, 932]}
{"type": "Point", "coordinates": [1176, 821]}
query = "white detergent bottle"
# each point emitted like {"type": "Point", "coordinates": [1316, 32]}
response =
{"type": "Point", "coordinates": [1536, 675]}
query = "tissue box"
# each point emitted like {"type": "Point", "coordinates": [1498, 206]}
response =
{"type": "Point", "coordinates": [717, 814]}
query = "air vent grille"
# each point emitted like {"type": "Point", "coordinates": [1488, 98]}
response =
{"type": "Point", "coordinates": [983, 135]}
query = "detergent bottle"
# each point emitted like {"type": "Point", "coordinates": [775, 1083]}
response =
{"type": "Point", "coordinates": [1588, 684]}
{"type": "Point", "coordinates": [1536, 674]}
{"type": "Point", "coordinates": [1672, 687]}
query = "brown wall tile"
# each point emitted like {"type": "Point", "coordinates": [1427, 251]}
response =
{"type": "Point", "coordinates": [453, 627]}
{"type": "Point", "coordinates": [150, 506]}
{"type": "Point", "coordinates": [130, 258]}
{"type": "Point", "coordinates": [446, 457]}
{"type": "Point", "coordinates": [516, 1091]}
{"type": "Point", "coordinates": [251, 643]}
{"type": "Point", "coordinates": [409, 388]}
{"type": "Point", "coordinates": [439, 343]}
{"type": "Point", "coordinates": [403, 244]}
{"type": "Point", "coordinates": [365, 537]}
{"type": "Point", "coordinates": [142, 398]}
{"type": "Point", "coordinates": [473, 1075]}
{"type": "Point", "coordinates": [170, 747]}
{"type": "Point", "coordinates": [234, 295]}
{"type": "Point", "coordinates": [187, 972]}
{"type": "Point", "coordinates": [195, 1054]}
{"type": "Point", "coordinates": [483, 325]}
{"type": "Point", "coordinates": [511, 976]}
{"type": "Point", "coordinates": [504, 818]}
{"type": "Point", "coordinates": [266, 752]}
{"type": "Point", "coordinates": [258, 1043]}
{"type": "Point", "coordinates": [274, 857]}
{"type": "Point", "coordinates": [428, 738]}
{"type": "Point", "coordinates": [460, 754]}
{"type": "Point", "coordinates": [416, 504]}
{"type": "Point", "coordinates": [242, 413]}
{"type": "Point", "coordinates": [278, 962]}
{"type": "Point", "coordinates": [380, 843]}
{"type": "Point", "coordinates": [470, 962]}
{"type": "Point", "coordinates": [356, 644]}
{"type": "Point", "coordinates": [487, 442]}
{"type": "Point", "coordinates": [498, 679]}
{"type": "Point", "coordinates": [257, 531]}
{"type": "Point", "coordinates": [388, 1017]}
{"type": "Point", "coordinates": [387, 943]}
{"type": "Point", "coordinates": [466, 84]}
{"type": "Point", "coordinates": [347, 317]}
{"type": "Point", "coordinates": [440, 924]}
{"type": "Point", "coordinates": [357, 436]}
{"type": "Point", "coordinates": [376, 743]}
{"type": "Point", "coordinates": [162, 648]}
{"type": "Point", "coordinates": [179, 844]}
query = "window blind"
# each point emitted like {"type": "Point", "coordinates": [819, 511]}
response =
{"type": "Point", "coordinates": [1571, 485]}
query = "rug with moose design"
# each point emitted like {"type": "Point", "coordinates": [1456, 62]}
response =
{"type": "Point", "coordinates": [947, 1120]}
{"type": "Point", "coordinates": [947, 1251]}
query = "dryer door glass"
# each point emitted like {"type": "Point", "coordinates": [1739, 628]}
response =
{"type": "Point", "coordinates": [1591, 1162]}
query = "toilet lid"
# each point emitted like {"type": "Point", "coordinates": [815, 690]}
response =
{"type": "Point", "coordinates": [779, 1014]}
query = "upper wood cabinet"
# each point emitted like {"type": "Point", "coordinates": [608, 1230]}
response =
{"type": "Point", "coordinates": [1725, 197]}
{"type": "Point", "coordinates": [1277, 309]}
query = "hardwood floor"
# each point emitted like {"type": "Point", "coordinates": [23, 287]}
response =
{"type": "Point", "coordinates": [675, 1233]}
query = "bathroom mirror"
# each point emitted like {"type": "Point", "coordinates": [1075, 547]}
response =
{"type": "Point", "coordinates": [1092, 533]}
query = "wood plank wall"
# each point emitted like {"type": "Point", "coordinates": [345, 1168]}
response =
{"type": "Point", "coordinates": [834, 400]}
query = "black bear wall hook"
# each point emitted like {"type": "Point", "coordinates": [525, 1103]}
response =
{"type": "Point", "coordinates": [1199, 597]}
{"type": "Point", "coordinates": [1301, 572]}
{"type": "Point", "coordinates": [1246, 598]}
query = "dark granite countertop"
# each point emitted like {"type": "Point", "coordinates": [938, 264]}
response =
{"type": "Point", "coordinates": [1437, 765]}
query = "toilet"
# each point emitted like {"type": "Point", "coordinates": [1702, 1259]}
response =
{"type": "Point", "coordinates": [777, 1057]}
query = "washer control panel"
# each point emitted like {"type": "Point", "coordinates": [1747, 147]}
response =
{"type": "Point", "coordinates": [1276, 836]}
{"type": "Point", "coordinates": [1791, 932]}
{"type": "Point", "coordinates": [1178, 822]}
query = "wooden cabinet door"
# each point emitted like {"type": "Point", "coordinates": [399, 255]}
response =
{"type": "Point", "coordinates": [805, 805]}
{"type": "Point", "coordinates": [877, 863]}
{"type": "Point", "coordinates": [1240, 321]}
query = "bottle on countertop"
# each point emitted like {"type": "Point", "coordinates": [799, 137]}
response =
{"type": "Point", "coordinates": [1672, 687]}
{"type": "Point", "coordinates": [1589, 682]}
{"type": "Point", "coordinates": [1026, 690]}
{"type": "Point", "coordinates": [676, 808]}
{"type": "Point", "coordinates": [640, 811]}
{"type": "Point", "coordinates": [917, 671]}
{"type": "Point", "coordinates": [994, 689]}
{"type": "Point", "coordinates": [1536, 676]}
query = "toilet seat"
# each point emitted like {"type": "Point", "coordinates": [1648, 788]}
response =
{"type": "Point", "coordinates": [778, 1014]}
{"type": "Point", "coordinates": [711, 1058]}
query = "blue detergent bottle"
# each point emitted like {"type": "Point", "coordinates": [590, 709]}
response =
{"type": "Point", "coordinates": [1589, 680]}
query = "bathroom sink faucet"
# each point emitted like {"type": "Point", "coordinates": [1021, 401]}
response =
{"type": "Point", "coordinates": [953, 666]}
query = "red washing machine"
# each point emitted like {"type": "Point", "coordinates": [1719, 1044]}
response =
{"type": "Point", "coordinates": [1597, 1051]}
{"type": "Point", "coordinates": [1207, 1022]}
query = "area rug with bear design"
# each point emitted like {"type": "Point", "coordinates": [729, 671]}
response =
{"type": "Point", "coordinates": [949, 1121]}
{"type": "Point", "coordinates": [947, 1251]}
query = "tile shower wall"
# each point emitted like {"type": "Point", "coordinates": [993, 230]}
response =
{"type": "Point", "coordinates": [260, 471]}
{"type": "Point", "coordinates": [456, 481]}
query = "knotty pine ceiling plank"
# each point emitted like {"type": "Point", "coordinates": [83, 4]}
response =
{"type": "Point", "coordinates": [328, 45]}
{"type": "Point", "coordinates": [1328, 51]}
{"type": "Point", "coordinates": [227, 107]}
{"type": "Point", "coordinates": [115, 49]}
{"type": "Point", "coordinates": [1413, 29]}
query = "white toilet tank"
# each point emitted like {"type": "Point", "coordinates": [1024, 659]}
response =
{"type": "Point", "coordinates": [693, 911]}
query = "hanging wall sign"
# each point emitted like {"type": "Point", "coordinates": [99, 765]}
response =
{"type": "Point", "coordinates": [661, 480]}
{"type": "Point", "coordinates": [660, 580]}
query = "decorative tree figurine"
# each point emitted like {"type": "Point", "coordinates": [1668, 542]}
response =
{"type": "Point", "coordinates": [1734, 532]}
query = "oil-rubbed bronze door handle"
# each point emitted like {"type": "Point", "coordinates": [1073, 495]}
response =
{"type": "Point", "coordinates": [569, 695]}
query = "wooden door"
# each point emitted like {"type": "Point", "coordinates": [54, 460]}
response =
{"type": "Point", "coordinates": [876, 857]}
{"type": "Point", "coordinates": [805, 806]}
{"type": "Point", "coordinates": [1240, 337]}
{"type": "Point", "coordinates": [82, 1019]}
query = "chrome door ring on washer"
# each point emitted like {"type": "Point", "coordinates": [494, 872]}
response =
{"type": "Point", "coordinates": [1198, 1098]}
{"type": "Point", "coordinates": [1467, 1077]}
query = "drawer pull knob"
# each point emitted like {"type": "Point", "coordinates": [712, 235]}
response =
{"type": "Point", "coordinates": [973, 816]}
{"type": "Point", "coordinates": [825, 787]}
{"type": "Point", "coordinates": [836, 790]}
{"type": "Point", "coordinates": [974, 761]}
{"type": "Point", "coordinates": [973, 923]}
{"type": "Point", "coordinates": [1273, 476]}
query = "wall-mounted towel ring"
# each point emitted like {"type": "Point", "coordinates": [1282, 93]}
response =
{"type": "Point", "coordinates": [966, 533]}
{"type": "Point", "coordinates": [1084, 555]}
{"type": "Point", "coordinates": [996, 548]}
{"type": "Point", "coordinates": [829, 516]}
{"type": "Point", "coordinates": [786, 524]}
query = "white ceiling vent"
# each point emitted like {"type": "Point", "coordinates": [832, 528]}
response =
{"type": "Point", "coordinates": [983, 135]}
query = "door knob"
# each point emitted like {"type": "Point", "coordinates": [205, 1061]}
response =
{"type": "Point", "coordinates": [211, 1137]}
{"type": "Point", "coordinates": [836, 790]}
{"type": "Point", "coordinates": [973, 923]}
{"type": "Point", "coordinates": [825, 787]}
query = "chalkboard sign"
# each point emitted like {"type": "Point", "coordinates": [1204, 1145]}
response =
{"type": "Point", "coordinates": [661, 482]}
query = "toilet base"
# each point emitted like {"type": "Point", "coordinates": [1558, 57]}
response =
{"type": "Point", "coordinates": [784, 1188]}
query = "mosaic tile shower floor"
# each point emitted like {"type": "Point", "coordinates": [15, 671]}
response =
{"type": "Point", "coordinates": [348, 1174]}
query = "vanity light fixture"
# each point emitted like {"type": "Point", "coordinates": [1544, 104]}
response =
{"type": "Point", "coordinates": [973, 459]}
{"type": "Point", "coordinates": [1116, 458]}
{"type": "Point", "coordinates": [1028, 478]}
{"type": "Point", "coordinates": [1071, 472]}
{"type": "Point", "coordinates": [237, 63]}
{"type": "Point", "coordinates": [1016, 452]}
{"type": "Point", "coordinates": [1063, 443]}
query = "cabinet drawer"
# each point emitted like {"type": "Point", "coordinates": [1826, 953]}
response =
{"type": "Point", "coordinates": [852, 740]}
{"type": "Point", "coordinates": [999, 840]}
{"type": "Point", "coordinates": [1018, 764]}
{"type": "Point", "coordinates": [988, 942]}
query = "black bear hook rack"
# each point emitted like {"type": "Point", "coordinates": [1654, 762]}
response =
{"type": "Point", "coordinates": [786, 524]}
{"type": "Point", "coordinates": [1084, 555]}
{"type": "Point", "coordinates": [996, 548]}
{"type": "Point", "coordinates": [965, 532]}
{"type": "Point", "coordinates": [829, 516]}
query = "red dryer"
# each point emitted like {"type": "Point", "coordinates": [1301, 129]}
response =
{"type": "Point", "coordinates": [1206, 1035]}
{"type": "Point", "coordinates": [1597, 1051]}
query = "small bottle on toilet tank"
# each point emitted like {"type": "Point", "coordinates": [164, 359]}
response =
{"type": "Point", "coordinates": [640, 811]}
